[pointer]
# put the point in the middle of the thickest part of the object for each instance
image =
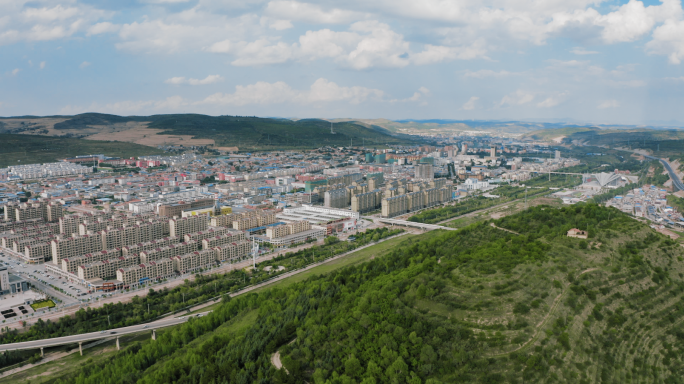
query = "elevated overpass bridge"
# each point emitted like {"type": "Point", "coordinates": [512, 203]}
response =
{"type": "Point", "coordinates": [91, 336]}
{"type": "Point", "coordinates": [426, 227]}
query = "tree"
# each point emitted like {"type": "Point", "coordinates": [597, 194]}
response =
{"type": "Point", "coordinates": [352, 367]}
{"type": "Point", "coordinates": [397, 371]}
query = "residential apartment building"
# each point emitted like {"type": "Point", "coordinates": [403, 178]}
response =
{"type": "Point", "coordinates": [195, 260]}
{"type": "Point", "coordinates": [210, 232]}
{"type": "Point", "coordinates": [145, 246]}
{"type": "Point", "coordinates": [37, 253]}
{"type": "Point", "coordinates": [71, 264]}
{"type": "Point", "coordinates": [144, 272]}
{"type": "Point", "coordinates": [106, 268]}
{"type": "Point", "coordinates": [366, 202]}
{"type": "Point", "coordinates": [233, 251]}
{"type": "Point", "coordinates": [63, 247]}
{"type": "Point", "coordinates": [179, 227]}
{"type": "Point", "coordinates": [336, 198]}
{"type": "Point", "coordinates": [169, 251]}
{"type": "Point", "coordinates": [226, 238]}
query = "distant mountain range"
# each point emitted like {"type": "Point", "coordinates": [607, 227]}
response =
{"type": "Point", "coordinates": [234, 132]}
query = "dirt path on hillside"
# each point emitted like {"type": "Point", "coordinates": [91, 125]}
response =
{"type": "Point", "coordinates": [503, 229]}
{"type": "Point", "coordinates": [542, 323]}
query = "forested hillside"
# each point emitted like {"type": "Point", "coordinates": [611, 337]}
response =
{"type": "Point", "coordinates": [482, 304]}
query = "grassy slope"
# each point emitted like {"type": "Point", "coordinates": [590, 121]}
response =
{"type": "Point", "coordinates": [32, 149]}
{"type": "Point", "coordinates": [260, 133]}
{"type": "Point", "coordinates": [611, 313]}
{"type": "Point", "coordinates": [249, 133]}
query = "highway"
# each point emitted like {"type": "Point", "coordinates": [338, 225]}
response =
{"type": "Point", "coordinates": [676, 182]}
{"type": "Point", "coordinates": [44, 343]}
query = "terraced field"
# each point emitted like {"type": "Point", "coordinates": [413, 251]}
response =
{"type": "Point", "coordinates": [608, 309]}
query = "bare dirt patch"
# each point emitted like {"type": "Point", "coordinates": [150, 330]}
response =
{"type": "Point", "coordinates": [149, 136]}
{"type": "Point", "coordinates": [43, 126]}
{"type": "Point", "coordinates": [558, 139]}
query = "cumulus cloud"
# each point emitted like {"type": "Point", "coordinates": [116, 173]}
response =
{"type": "Point", "coordinates": [84, 64]}
{"type": "Point", "coordinates": [105, 27]}
{"type": "Point", "coordinates": [367, 44]}
{"type": "Point", "coordinates": [322, 90]}
{"type": "Point", "coordinates": [487, 73]}
{"type": "Point", "coordinates": [260, 93]}
{"type": "Point", "coordinates": [668, 40]}
{"type": "Point", "coordinates": [608, 104]}
{"type": "Point", "coordinates": [15, 71]}
{"type": "Point", "coordinates": [460, 30]}
{"type": "Point", "coordinates": [553, 100]}
{"type": "Point", "coordinates": [42, 64]}
{"type": "Point", "coordinates": [182, 80]}
{"type": "Point", "coordinates": [517, 98]}
{"type": "Point", "coordinates": [470, 104]}
{"type": "Point", "coordinates": [23, 20]}
{"type": "Point", "coordinates": [311, 13]}
{"type": "Point", "coordinates": [582, 51]}
{"type": "Point", "coordinates": [421, 93]}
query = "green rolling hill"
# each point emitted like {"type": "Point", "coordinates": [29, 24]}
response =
{"type": "Point", "coordinates": [30, 149]}
{"type": "Point", "coordinates": [247, 133]}
{"type": "Point", "coordinates": [508, 301]}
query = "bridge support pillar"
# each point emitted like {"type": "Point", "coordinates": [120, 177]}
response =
{"type": "Point", "coordinates": [80, 347]}
{"type": "Point", "coordinates": [118, 347]}
{"type": "Point", "coordinates": [154, 335]}
{"type": "Point", "coordinates": [41, 352]}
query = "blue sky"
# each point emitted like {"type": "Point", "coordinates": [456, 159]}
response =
{"type": "Point", "coordinates": [593, 61]}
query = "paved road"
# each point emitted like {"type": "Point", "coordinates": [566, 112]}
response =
{"type": "Point", "coordinates": [93, 335]}
{"type": "Point", "coordinates": [673, 175]}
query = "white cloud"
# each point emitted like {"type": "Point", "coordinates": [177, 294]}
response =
{"type": "Point", "coordinates": [668, 39]}
{"type": "Point", "coordinates": [22, 20]}
{"type": "Point", "coordinates": [310, 13]}
{"type": "Point", "coordinates": [367, 44]}
{"type": "Point", "coordinates": [42, 64]}
{"type": "Point", "coordinates": [105, 27]}
{"type": "Point", "coordinates": [553, 100]}
{"type": "Point", "coordinates": [207, 80]}
{"type": "Point", "coordinates": [421, 93]}
{"type": "Point", "coordinates": [608, 104]}
{"type": "Point", "coordinates": [487, 73]}
{"type": "Point", "coordinates": [470, 104]}
{"type": "Point", "coordinates": [15, 71]}
{"type": "Point", "coordinates": [280, 25]}
{"type": "Point", "coordinates": [187, 31]}
{"type": "Point", "coordinates": [322, 90]}
{"type": "Point", "coordinates": [582, 51]}
{"type": "Point", "coordinates": [519, 97]}
{"type": "Point", "coordinates": [84, 64]}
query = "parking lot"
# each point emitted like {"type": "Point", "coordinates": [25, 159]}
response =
{"type": "Point", "coordinates": [39, 278]}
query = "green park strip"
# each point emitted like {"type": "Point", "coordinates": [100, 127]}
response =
{"type": "Point", "coordinates": [43, 304]}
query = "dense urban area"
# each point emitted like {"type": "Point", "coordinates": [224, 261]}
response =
{"type": "Point", "coordinates": [97, 250]}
